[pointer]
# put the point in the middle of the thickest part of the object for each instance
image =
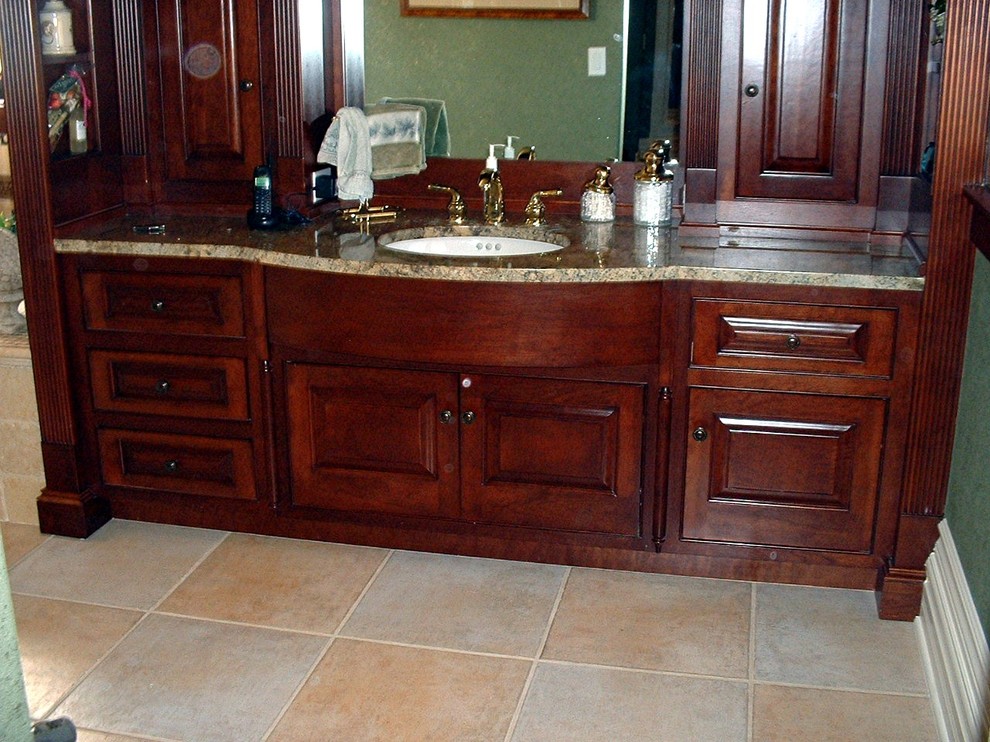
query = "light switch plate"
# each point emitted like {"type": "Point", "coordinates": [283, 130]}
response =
{"type": "Point", "coordinates": [596, 61]}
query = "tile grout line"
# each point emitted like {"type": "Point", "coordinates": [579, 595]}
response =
{"type": "Point", "coordinates": [326, 649]}
{"type": "Point", "coordinates": [297, 690]}
{"type": "Point", "coordinates": [535, 662]}
{"type": "Point", "coordinates": [357, 601]}
{"type": "Point", "coordinates": [145, 613]}
{"type": "Point", "coordinates": [198, 563]}
{"type": "Point", "coordinates": [751, 684]}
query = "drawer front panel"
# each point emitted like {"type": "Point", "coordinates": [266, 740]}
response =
{"type": "Point", "coordinates": [564, 325]}
{"type": "Point", "coordinates": [188, 386]}
{"type": "Point", "coordinates": [192, 465]}
{"type": "Point", "coordinates": [163, 303]}
{"type": "Point", "coordinates": [809, 338]}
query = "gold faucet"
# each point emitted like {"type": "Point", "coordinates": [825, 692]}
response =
{"type": "Point", "coordinates": [536, 210]}
{"type": "Point", "coordinates": [490, 183]}
{"type": "Point", "coordinates": [455, 211]}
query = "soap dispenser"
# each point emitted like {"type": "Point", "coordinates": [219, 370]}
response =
{"type": "Point", "coordinates": [509, 150]}
{"type": "Point", "coordinates": [598, 197]}
{"type": "Point", "coordinates": [653, 190]}
{"type": "Point", "coordinates": [490, 183]}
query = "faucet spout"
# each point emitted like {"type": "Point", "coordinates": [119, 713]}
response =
{"type": "Point", "coordinates": [490, 183]}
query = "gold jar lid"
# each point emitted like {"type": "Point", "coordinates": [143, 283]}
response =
{"type": "Point", "coordinates": [599, 183]}
{"type": "Point", "coordinates": [651, 172]}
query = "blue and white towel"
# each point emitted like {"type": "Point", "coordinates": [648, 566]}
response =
{"type": "Point", "coordinates": [348, 146]}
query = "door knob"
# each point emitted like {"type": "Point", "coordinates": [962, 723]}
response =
{"type": "Point", "coordinates": [446, 416]}
{"type": "Point", "coordinates": [793, 342]}
{"type": "Point", "coordinates": [163, 386]}
{"type": "Point", "coordinates": [751, 90]}
{"type": "Point", "coordinates": [699, 434]}
{"type": "Point", "coordinates": [467, 417]}
{"type": "Point", "coordinates": [172, 466]}
{"type": "Point", "coordinates": [246, 86]}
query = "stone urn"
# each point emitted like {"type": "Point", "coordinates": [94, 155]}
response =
{"type": "Point", "coordinates": [11, 287]}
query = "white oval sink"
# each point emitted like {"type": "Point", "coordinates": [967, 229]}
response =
{"type": "Point", "coordinates": [482, 246]}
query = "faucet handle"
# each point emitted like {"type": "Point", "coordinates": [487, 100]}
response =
{"type": "Point", "coordinates": [536, 210]}
{"type": "Point", "coordinates": [456, 208]}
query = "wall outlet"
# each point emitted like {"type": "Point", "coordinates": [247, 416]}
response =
{"type": "Point", "coordinates": [323, 185]}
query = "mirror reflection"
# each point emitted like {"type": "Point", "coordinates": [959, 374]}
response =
{"type": "Point", "coordinates": [567, 90]}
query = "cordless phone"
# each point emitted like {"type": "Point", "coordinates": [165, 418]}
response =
{"type": "Point", "coordinates": [262, 214]}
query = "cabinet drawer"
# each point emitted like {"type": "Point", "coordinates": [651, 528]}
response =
{"type": "Point", "coordinates": [163, 303]}
{"type": "Point", "coordinates": [190, 386]}
{"type": "Point", "coordinates": [809, 338]}
{"type": "Point", "coordinates": [193, 465]}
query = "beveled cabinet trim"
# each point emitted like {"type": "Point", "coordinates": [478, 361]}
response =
{"type": "Point", "coordinates": [194, 465]}
{"type": "Point", "coordinates": [189, 386]}
{"type": "Point", "coordinates": [809, 338]}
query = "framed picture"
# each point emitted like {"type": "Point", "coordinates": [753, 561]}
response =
{"type": "Point", "coordinates": [498, 8]}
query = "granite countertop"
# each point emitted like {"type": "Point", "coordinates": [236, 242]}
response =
{"type": "Point", "coordinates": [617, 251]}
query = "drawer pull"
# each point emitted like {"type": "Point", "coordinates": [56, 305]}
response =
{"type": "Point", "coordinates": [171, 466]}
{"type": "Point", "coordinates": [700, 434]}
{"type": "Point", "coordinates": [446, 416]}
{"type": "Point", "coordinates": [158, 306]}
{"type": "Point", "coordinates": [467, 417]}
{"type": "Point", "coordinates": [163, 387]}
{"type": "Point", "coordinates": [793, 342]}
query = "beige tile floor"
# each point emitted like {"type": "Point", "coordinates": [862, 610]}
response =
{"type": "Point", "coordinates": [149, 632]}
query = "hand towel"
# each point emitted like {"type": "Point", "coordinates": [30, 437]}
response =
{"type": "Point", "coordinates": [347, 145]}
{"type": "Point", "coordinates": [437, 131]}
{"type": "Point", "coordinates": [396, 132]}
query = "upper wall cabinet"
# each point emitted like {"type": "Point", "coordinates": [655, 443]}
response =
{"type": "Point", "coordinates": [231, 84]}
{"type": "Point", "coordinates": [211, 106]}
{"type": "Point", "coordinates": [802, 106]}
{"type": "Point", "coordinates": [211, 77]}
{"type": "Point", "coordinates": [802, 86]}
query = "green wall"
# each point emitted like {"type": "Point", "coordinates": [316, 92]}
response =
{"type": "Point", "coordinates": [528, 78]}
{"type": "Point", "coordinates": [968, 506]}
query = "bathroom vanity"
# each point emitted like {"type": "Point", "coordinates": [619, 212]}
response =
{"type": "Point", "coordinates": [635, 400]}
{"type": "Point", "coordinates": [770, 395]}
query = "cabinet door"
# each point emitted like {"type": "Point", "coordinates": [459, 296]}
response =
{"type": "Point", "coordinates": [211, 89]}
{"type": "Point", "coordinates": [777, 469]}
{"type": "Point", "coordinates": [551, 453]}
{"type": "Point", "coordinates": [372, 440]}
{"type": "Point", "coordinates": [800, 90]}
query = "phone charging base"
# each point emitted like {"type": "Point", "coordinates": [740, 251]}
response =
{"type": "Point", "coordinates": [257, 220]}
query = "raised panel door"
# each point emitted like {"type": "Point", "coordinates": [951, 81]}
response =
{"type": "Point", "coordinates": [783, 469]}
{"type": "Point", "coordinates": [800, 87]}
{"type": "Point", "coordinates": [211, 84]}
{"type": "Point", "coordinates": [370, 440]}
{"type": "Point", "coordinates": [550, 453]}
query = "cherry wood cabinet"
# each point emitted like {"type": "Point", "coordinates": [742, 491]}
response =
{"type": "Point", "coordinates": [210, 68]}
{"type": "Point", "coordinates": [558, 454]}
{"type": "Point", "coordinates": [553, 453]}
{"type": "Point", "coordinates": [788, 440]}
{"type": "Point", "coordinates": [170, 360]}
{"type": "Point", "coordinates": [372, 440]}
{"type": "Point", "coordinates": [783, 469]}
{"type": "Point", "coordinates": [500, 406]}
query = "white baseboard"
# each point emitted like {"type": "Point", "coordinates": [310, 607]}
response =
{"type": "Point", "coordinates": [954, 648]}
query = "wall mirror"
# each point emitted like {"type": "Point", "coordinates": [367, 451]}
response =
{"type": "Point", "coordinates": [527, 78]}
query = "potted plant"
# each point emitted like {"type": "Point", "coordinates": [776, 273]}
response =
{"type": "Point", "coordinates": [11, 287]}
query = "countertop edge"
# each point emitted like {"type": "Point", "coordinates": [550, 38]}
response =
{"type": "Point", "coordinates": [495, 274]}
